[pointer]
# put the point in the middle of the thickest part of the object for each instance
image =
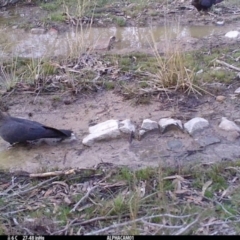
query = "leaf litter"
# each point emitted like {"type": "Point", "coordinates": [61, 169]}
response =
{"type": "Point", "coordinates": [108, 200]}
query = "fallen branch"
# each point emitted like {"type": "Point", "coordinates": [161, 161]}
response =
{"type": "Point", "coordinates": [51, 174]}
{"type": "Point", "coordinates": [214, 201]}
{"type": "Point", "coordinates": [161, 225]}
{"type": "Point", "coordinates": [82, 199]}
{"type": "Point", "coordinates": [99, 219]}
{"type": "Point", "coordinates": [26, 229]}
{"type": "Point", "coordinates": [228, 65]}
{"type": "Point", "coordinates": [134, 221]}
{"type": "Point", "coordinates": [30, 189]}
{"type": "Point", "coordinates": [65, 228]}
{"type": "Point", "coordinates": [187, 227]}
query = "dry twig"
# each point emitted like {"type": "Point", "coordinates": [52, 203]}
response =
{"type": "Point", "coordinates": [228, 65]}
{"type": "Point", "coordinates": [135, 221]}
{"type": "Point", "coordinates": [82, 199]}
{"type": "Point", "coordinates": [51, 174]}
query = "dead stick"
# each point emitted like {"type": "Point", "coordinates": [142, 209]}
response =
{"type": "Point", "coordinates": [82, 199]}
{"type": "Point", "coordinates": [134, 221]}
{"type": "Point", "coordinates": [50, 174]}
{"type": "Point", "coordinates": [32, 188]}
{"type": "Point", "coordinates": [228, 65]}
{"type": "Point", "coordinates": [187, 227]}
{"type": "Point", "coordinates": [99, 219]}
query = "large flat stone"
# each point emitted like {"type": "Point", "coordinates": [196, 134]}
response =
{"type": "Point", "coordinates": [102, 131]}
{"type": "Point", "coordinates": [196, 124]}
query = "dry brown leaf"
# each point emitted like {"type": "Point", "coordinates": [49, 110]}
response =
{"type": "Point", "coordinates": [61, 183]}
{"type": "Point", "coordinates": [234, 168]}
{"type": "Point", "coordinates": [108, 185]}
{"type": "Point", "coordinates": [177, 184]}
{"type": "Point", "coordinates": [207, 163]}
{"type": "Point", "coordinates": [67, 200]}
{"type": "Point", "coordinates": [205, 186]}
{"type": "Point", "coordinates": [125, 192]}
{"type": "Point", "coordinates": [34, 193]}
{"type": "Point", "coordinates": [55, 209]}
{"type": "Point", "coordinates": [4, 186]}
{"type": "Point", "coordinates": [196, 200]}
{"type": "Point", "coordinates": [141, 190]}
{"type": "Point", "coordinates": [172, 195]}
{"type": "Point", "coordinates": [48, 192]}
{"type": "Point", "coordinates": [224, 193]}
{"type": "Point", "coordinates": [174, 177]}
{"type": "Point", "coordinates": [182, 191]}
{"type": "Point", "coordinates": [211, 220]}
{"type": "Point", "coordinates": [234, 180]}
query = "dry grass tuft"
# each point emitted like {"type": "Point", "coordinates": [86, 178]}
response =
{"type": "Point", "coordinates": [172, 72]}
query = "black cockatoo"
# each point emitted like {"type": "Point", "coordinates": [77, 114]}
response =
{"type": "Point", "coordinates": [204, 5]}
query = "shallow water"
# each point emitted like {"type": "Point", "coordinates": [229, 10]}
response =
{"type": "Point", "coordinates": [51, 43]}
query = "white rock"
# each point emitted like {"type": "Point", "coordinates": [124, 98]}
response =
{"type": "Point", "coordinates": [142, 132]}
{"type": "Point", "coordinates": [196, 124]}
{"type": "Point", "coordinates": [126, 126]}
{"type": "Point", "coordinates": [107, 125]}
{"type": "Point", "coordinates": [167, 122]}
{"type": "Point", "coordinates": [228, 125]}
{"type": "Point", "coordinates": [149, 125]}
{"type": "Point", "coordinates": [37, 30]}
{"type": "Point", "coordinates": [71, 139]}
{"type": "Point", "coordinates": [199, 72]}
{"type": "Point", "coordinates": [237, 91]}
{"type": "Point", "coordinates": [220, 23]}
{"type": "Point", "coordinates": [220, 98]}
{"type": "Point", "coordinates": [232, 34]}
{"type": "Point", "coordinates": [102, 131]}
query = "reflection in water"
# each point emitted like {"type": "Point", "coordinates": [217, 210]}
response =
{"type": "Point", "coordinates": [31, 155]}
{"type": "Point", "coordinates": [26, 44]}
{"type": "Point", "coordinates": [13, 156]}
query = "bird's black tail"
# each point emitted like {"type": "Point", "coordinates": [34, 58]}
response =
{"type": "Point", "coordinates": [67, 133]}
{"type": "Point", "coordinates": [57, 133]}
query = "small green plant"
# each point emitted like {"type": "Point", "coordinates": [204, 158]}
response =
{"type": "Point", "coordinates": [10, 76]}
{"type": "Point", "coordinates": [57, 17]}
{"type": "Point", "coordinates": [121, 22]}
{"type": "Point", "coordinates": [56, 98]}
{"type": "Point", "coordinates": [50, 6]}
{"type": "Point", "coordinates": [109, 85]}
{"type": "Point", "coordinates": [119, 205]}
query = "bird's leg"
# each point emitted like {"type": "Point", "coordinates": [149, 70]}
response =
{"type": "Point", "coordinates": [11, 146]}
{"type": "Point", "coordinates": [16, 144]}
{"type": "Point", "coordinates": [212, 14]}
{"type": "Point", "coordinates": [33, 142]}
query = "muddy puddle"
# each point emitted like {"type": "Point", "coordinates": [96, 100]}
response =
{"type": "Point", "coordinates": [170, 148]}
{"type": "Point", "coordinates": [51, 43]}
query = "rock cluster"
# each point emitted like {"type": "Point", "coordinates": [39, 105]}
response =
{"type": "Point", "coordinates": [112, 129]}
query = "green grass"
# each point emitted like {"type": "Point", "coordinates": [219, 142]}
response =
{"type": "Point", "coordinates": [57, 17]}
{"type": "Point", "coordinates": [133, 198]}
{"type": "Point", "coordinates": [51, 6]}
{"type": "Point", "coordinates": [109, 85]}
{"type": "Point", "coordinates": [121, 22]}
